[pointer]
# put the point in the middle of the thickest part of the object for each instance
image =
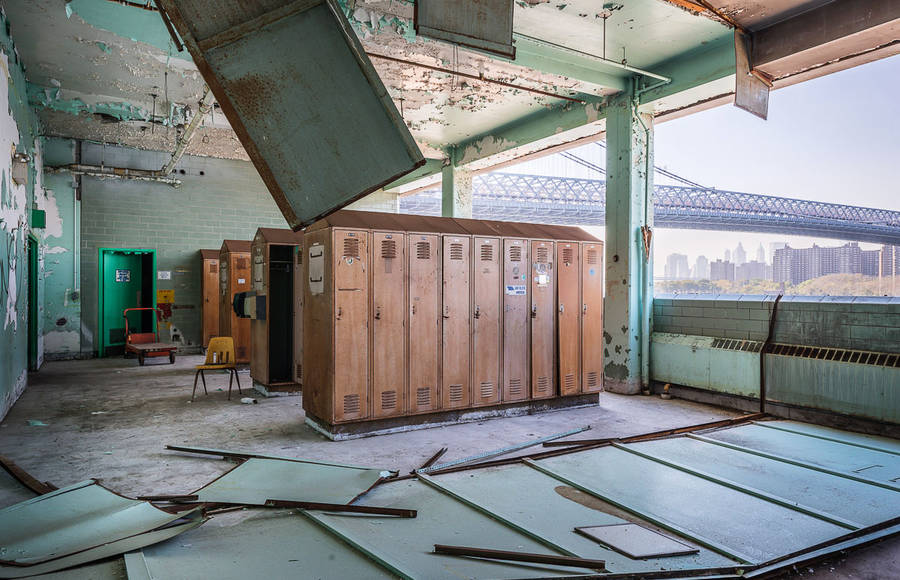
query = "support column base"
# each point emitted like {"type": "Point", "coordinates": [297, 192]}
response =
{"type": "Point", "coordinates": [626, 387]}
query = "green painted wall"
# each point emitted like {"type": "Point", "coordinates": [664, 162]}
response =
{"type": "Point", "coordinates": [18, 129]}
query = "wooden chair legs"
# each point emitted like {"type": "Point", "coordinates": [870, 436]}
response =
{"type": "Point", "coordinates": [199, 374]}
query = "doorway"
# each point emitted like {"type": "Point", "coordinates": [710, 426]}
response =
{"type": "Point", "coordinates": [33, 309]}
{"type": "Point", "coordinates": [127, 280]}
{"type": "Point", "coordinates": [281, 319]}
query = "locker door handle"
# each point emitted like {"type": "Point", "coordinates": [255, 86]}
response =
{"type": "Point", "coordinates": [378, 313]}
{"type": "Point", "coordinates": [477, 312]}
{"type": "Point", "coordinates": [413, 309]}
{"type": "Point", "coordinates": [584, 308]}
{"type": "Point", "coordinates": [340, 312]}
{"type": "Point", "coordinates": [446, 312]}
{"type": "Point", "coordinates": [562, 308]}
{"type": "Point", "coordinates": [534, 310]}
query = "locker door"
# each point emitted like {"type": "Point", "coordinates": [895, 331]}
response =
{"type": "Point", "coordinates": [351, 317]}
{"type": "Point", "coordinates": [240, 327]}
{"type": "Point", "coordinates": [210, 300]}
{"type": "Point", "coordinates": [299, 285]}
{"type": "Point", "coordinates": [486, 322]}
{"type": "Point", "coordinates": [592, 317]}
{"type": "Point", "coordinates": [543, 321]}
{"type": "Point", "coordinates": [568, 271]}
{"type": "Point", "coordinates": [455, 344]}
{"type": "Point", "coordinates": [424, 325]}
{"type": "Point", "coordinates": [388, 324]}
{"type": "Point", "coordinates": [515, 320]}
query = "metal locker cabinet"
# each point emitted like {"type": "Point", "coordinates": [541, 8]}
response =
{"type": "Point", "coordinates": [543, 320]}
{"type": "Point", "coordinates": [592, 317]}
{"type": "Point", "coordinates": [424, 326]}
{"type": "Point", "coordinates": [234, 277]}
{"type": "Point", "coordinates": [259, 335]}
{"type": "Point", "coordinates": [388, 324]}
{"type": "Point", "coordinates": [568, 274]}
{"type": "Point", "coordinates": [455, 332]}
{"type": "Point", "coordinates": [351, 321]}
{"type": "Point", "coordinates": [486, 322]}
{"type": "Point", "coordinates": [299, 283]}
{"type": "Point", "coordinates": [318, 319]}
{"type": "Point", "coordinates": [515, 320]}
{"type": "Point", "coordinates": [209, 286]}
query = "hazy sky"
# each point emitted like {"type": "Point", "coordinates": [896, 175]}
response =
{"type": "Point", "coordinates": [835, 139]}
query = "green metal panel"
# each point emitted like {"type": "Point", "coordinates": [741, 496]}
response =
{"type": "Point", "coordinates": [741, 524]}
{"type": "Point", "coordinates": [830, 434]}
{"type": "Point", "coordinates": [236, 547]}
{"type": "Point", "coordinates": [840, 497]}
{"type": "Point", "coordinates": [124, 284]}
{"type": "Point", "coordinates": [853, 461]}
{"type": "Point", "coordinates": [33, 302]}
{"type": "Point", "coordinates": [407, 544]}
{"type": "Point", "coordinates": [691, 360]}
{"type": "Point", "coordinates": [538, 494]}
{"type": "Point", "coordinates": [320, 127]}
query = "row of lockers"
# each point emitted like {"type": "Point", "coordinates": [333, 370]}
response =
{"type": "Point", "coordinates": [399, 323]}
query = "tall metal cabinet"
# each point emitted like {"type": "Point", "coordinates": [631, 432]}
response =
{"type": "Point", "coordinates": [568, 283]}
{"type": "Point", "coordinates": [273, 260]}
{"type": "Point", "coordinates": [388, 336]}
{"type": "Point", "coordinates": [515, 320]}
{"type": "Point", "coordinates": [234, 277]}
{"type": "Point", "coordinates": [209, 292]}
{"type": "Point", "coordinates": [424, 322]}
{"type": "Point", "coordinates": [592, 316]}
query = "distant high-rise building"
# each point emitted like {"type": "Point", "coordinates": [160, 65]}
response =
{"type": "Point", "coordinates": [677, 267]}
{"type": "Point", "coordinates": [774, 246]}
{"type": "Point", "coordinates": [727, 255]}
{"type": "Point", "coordinates": [701, 269]}
{"type": "Point", "coordinates": [797, 265]}
{"type": "Point", "coordinates": [740, 256]}
{"type": "Point", "coordinates": [761, 254]}
{"type": "Point", "coordinates": [752, 270]}
{"type": "Point", "coordinates": [889, 269]}
{"type": "Point", "coordinates": [721, 270]}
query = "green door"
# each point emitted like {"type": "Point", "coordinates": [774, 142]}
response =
{"type": "Point", "coordinates": [126, 281]}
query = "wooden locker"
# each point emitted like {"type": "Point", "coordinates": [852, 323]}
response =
{"type": "Point", "coordinates": [424, 323]}
{"type": "Point", "coordinates": [259, 336]}
{"type": "Point", "coordinates": [568, 274]}
{"type": "Point", "coordinates": [234, 277]}
{"type": "Point", "coordinates": [209, 285]}
{"type": "Point", "coordinates": [318, 314]}
{"type": "Point", "coordinates": [515, 320]}
{"type": "Point", "coordinates": [592, 317]}
{"type": "Point", "coordinates": [543, 320]}
{"type": "Point", "coordinates": [388, 324]}
{"type": "Point", "coordinates": [486, 322]}
{"type": "Point", "coordinates": [455, 332]}
{"type": "Point", "coordinates": [351, 321]}
{"type": "Point", "coordinates": [299, 281]}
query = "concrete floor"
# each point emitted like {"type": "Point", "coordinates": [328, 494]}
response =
{"type": "Point", "coordinates": [110, 419]}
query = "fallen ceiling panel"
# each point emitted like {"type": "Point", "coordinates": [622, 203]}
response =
{"type": "Point", "coordinates": [485, 25]}
{"type": "Point", "coordinates": [306, 103]}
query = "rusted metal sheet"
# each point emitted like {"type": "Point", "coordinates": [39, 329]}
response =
{"type": "Point", "coordinates": [299, 91]}
{"type": "Point", "coordinates": [751, 92]}
{"type": "Point", "coordinates": [483, 24]}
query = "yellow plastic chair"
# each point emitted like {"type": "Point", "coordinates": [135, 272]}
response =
{"type": "Point", "coordinates": [220, 350]}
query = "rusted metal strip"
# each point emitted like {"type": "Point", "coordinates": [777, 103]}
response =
{"type": "Point", "coordinates": [173, 498]}
{"type": "Point", "coordinates": [165, 18]}
{"type": "Point", "coordinates": [664, 433]}
{"type": "Point", "coordinates": [336, 507]}
{"type": "Point", "coordinates": [431, 460]}
{"type": "Point", "coordinates": [25, 478]}
{"type": "Point", "coordinates": [520, 557]}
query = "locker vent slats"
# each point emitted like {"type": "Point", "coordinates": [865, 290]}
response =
{"type": "Point", "coordinates": [569, 382]}
{"type": "Point", "coordinates": [456, 393]}
{"type": "Point", "coordinates": [351, 248]}
{"type": "Point", "coordinates": [515, 387]}
{"type": "Point", "coordinates": [592, 256]}
{"type": "Point", "coordinates": [592, 379]}
{"type": "Point", "coordinates": [487, 253]}
{"type": "Point", "coordinates": [568, 256]}
{"type": "Point", "coordinates": [543, 384]}
{"type": "Point", "coordinates": [423, 250]}
{"type": "Point", "coordinates": [515, 253]}
{"type": "Point", "coordinates": [351, 404]}
{"type": "Point", "coordinates": [487, 390]}
{"type": "Point", "coordinates": [456, 251]}
{"type": "Point", "coordinates": [389, 400]}
{"type": "Point", "coordinates": [423, 397]}
{"type": "Point", "coordinates": [543, 255]}
{"type": "Point", "coordinates": [213, 268]}
{"type": "Point", "coordinates": [388, 249]}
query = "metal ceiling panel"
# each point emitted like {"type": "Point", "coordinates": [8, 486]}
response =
{"type": "Point", "coordinates": [302, 96]}
{"type": "Point", "coordinates": [483, 24]}
{"type": "Point", "coordinates": [750, 92]}
{"type": "Point", "coordinates": [257, 480]}
{"type": "Point", "coordinates": [636, 541]}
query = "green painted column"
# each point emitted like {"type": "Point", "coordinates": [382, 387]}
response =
{"type": "Point", "coordinates": [456, 192]}
{"type": "Point", "coordinates": [629, 280]}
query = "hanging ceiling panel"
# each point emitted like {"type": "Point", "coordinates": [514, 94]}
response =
{"type": "Point", "coordinates": [483, 24]}
{"type": "Point", "coordinates": [297, 87]}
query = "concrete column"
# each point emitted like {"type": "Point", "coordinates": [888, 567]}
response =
{"type": "Point", "coordinates": [629, 275]}
{"type": "Point", "coordinates": [456, 192]}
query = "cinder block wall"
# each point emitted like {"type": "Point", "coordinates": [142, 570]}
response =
{"type": "Point", "coordinates": [856, 323]}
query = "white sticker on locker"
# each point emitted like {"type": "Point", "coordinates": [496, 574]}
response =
{"type": "Point", "coordinates": [542, 279]}
{"type": "Point", "coordinates": [515, 289]}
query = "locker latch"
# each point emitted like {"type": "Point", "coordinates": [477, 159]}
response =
{"type": "Point", "coordinates": [477, 311]}
{"type": "Point", "coordinates": [340, 312]}
{"type": "Point", "coordinates": [446, 312]}
{"type": "Point", "coordinates": [378, 313]}
{"type": "Point", "coordinates": [584, 308]}
{"type": "Point", "coordinates": [534, 310]}
{"type": "Point", "coordinates": [562, 308]}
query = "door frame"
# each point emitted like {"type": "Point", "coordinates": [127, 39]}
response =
{"type": "Point", "coordinates": [102, 341]}
{"type": "Point", "coordinates": [32, 247]}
